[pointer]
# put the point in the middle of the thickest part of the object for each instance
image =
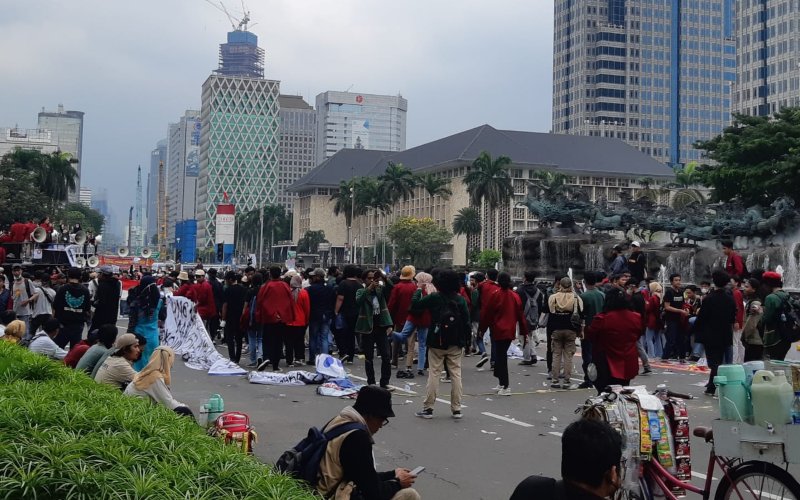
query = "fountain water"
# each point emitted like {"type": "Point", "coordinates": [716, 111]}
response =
{"type": "Point", "coordinates": [662, 276]}
{"type": "Point", "coordinates": [682, 262]}
{"type": "Point", "coordinates": [593, 259]}
{"type": "Point", "coordinates": [543, 254]}
{"type": "Point", "coordinates": [791, 278]}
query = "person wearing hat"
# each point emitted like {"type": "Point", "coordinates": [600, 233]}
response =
{"type": "Point", "coordinates": [619, 264]}
{"type": "Point", "coordinates": [106, 299]}
{"type": "Point", "coordinates": [184, 285]}
{"type": "Point", "coordinates": [117, 370]}
{"type": "Point", "coordinates": [775, 346]}
{"type": "Point", "coordinates": [563, 305]}
{"type": "Point", "coordinates": [399, 304]}
{"type": "Point", "coordinates": [637, 263]}
{"type": "Point", "coordinates": [321, 300]}
{"type": "Point", "coordinates": [72, 307]}
{"type": "Point", "coordinates": [203, 295]}
{"type": "Point", "coordinates": [43, 342]}
{"type": "Point", "coordinates": [347, 469]}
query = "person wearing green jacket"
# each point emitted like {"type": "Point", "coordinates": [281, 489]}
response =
{"type": "Point", "coordinates": [774, 346]}
{"type": "Point", "coordinates": [448, 336]}
{"type": "Point", "coordinates": [375, 326]}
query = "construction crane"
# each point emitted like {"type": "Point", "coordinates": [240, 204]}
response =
{"type": "Point", "coordinates": [162, 208]}
{"type": "Point", "coordinates": [139, 220]}
{"type": "Point", "coordinates": [236, 24]}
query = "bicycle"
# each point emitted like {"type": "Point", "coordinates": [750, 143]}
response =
{"type": "Point", "coordinates": [741, 479]}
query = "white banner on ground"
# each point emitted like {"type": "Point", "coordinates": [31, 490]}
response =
{"type": "Point", "coordinates": [294, 377]}
{"type": "Point", "coordinates": [185, 333]}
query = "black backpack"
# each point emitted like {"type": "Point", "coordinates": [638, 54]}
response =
{"type": "Point", "coordinates": [303, 461]}
{"type": "Point", "coordinates": [449, 330]}
{"type": "Point", "coordinates": [788, 324]}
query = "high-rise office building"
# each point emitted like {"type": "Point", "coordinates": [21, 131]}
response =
{"type": "Point", "coordinates": [85, 196]}
{"type": "Point", "coordinates": [359, 121]}
{"type": "Point", "coordinates": [297, 144]}
{"type": "Point", "coordinates": [66, 128]}
{"type": "Point", "coordinates": [238, 146]}
{"type": "Point", "coordinates": [241, 56]}
{"type": "Point", "coordinates": [31, 139]}
{"type": "Point", "coordinates": [654, 73]}
{"type": "Point", "coordinates": [183, 168]}
{"type": "Point", "coordinates": [154, 204]}
{"type": "Point", "coordinates": [768, 70]}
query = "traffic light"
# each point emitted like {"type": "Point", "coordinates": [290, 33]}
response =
{"type": "Point", "coordinates": [220, 252]}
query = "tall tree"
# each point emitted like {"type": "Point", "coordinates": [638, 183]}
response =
{"type": "Point", "coordinates": [756, 159]}
{"type": "Point", "coordinates": [344, 200]}
{"type": "Point", "coordinates": [20, 199]}
{"type": "Point", "coordinates": [685, 188]}
{"type": "Point", "coordinates": [398, 182]}
{"type": "Point", "coordinates": [274, 219]}
{"type": "Point", "coordinates": [467, 222]}
{"type": "Point", "coordinates": [552, 185]}
{"type": "Point", "coordinates": [310, 241]}
{"type": "Point", "coordinates": [435, 186]}
{"type": "Point", "coordinates": [489, 182]}
{"type": "Point", "coordinates": [419, 241]}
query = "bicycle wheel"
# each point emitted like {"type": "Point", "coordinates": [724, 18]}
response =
{"type": "Point", "coordinates": [758, 480]}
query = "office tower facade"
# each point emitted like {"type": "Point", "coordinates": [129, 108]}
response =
{"type": "Point", "coordinates": [31, 139]}
{"type": "Point", "coordinates": [768, 70]}
{"type": "Point", "coordinates": [238, 146]}
{"type": "Point", "coordinates": [157, 155]}
{"type": "Point", "coordinates": [359, 121]}
{"type": "Point", "coordinates": [183, 168]}
{"type": "Point", "coordinates": [66, 128]}
{"type": "Point", "coordinates": [297, 145]}
{"type": "Point", "coordinates": [85, 196]}
{"type": "Point", "coordinates": [654, 73]}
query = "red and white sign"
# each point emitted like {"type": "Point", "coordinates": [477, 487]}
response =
{"type": "Point", "coordinates": [359, 99]}
{"type": "Point", "coordinates": [226, 223]}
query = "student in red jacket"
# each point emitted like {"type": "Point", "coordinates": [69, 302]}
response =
{"type": "Point", "coordinates": [486, 289]}
{"type": "Point", "coordinates": [296, 329]}
{"type": "Point", "coordinates": [503, 315]}
{"type": "Point", "coordinates": [203, 295]}
{"type": "Point", "coordinates": [398, 305]}
{"type": "Point", "coordinates": [274, 310]}
{"type": "Point", "coordinates": [613, 334]}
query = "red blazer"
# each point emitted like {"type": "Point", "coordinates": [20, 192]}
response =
{"type": "Point", "coordinates": [302, 308]}
{"type": "Point", "coordinates": [17, 232]}
{"type": "Point", "coordinates": [739, 299]}
{"type": "Point", "coordinates": [613, 335]}
{"type": "Point", "coordinates": [652, 310]}
{"type": "Point", "coordinates": [486, 289]}
{"type": "Point", "coordinates": [503, 314]}
{"type": "Point", "coordinates": [185, 290]}
{"type": "Point", "coordinates": [203, 295]}
{"type": "Point", "coordinates": [400, 302]}
{"type": "Point", "coordinates": [275, 303]}
{"type": "Point", "coordinates": [734, 266]}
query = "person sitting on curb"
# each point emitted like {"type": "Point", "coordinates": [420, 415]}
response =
{"type": "Point", "coordinates": [591, 453]}
{"type": "Point", "coordinates": [117, 369]}
{"type": "Point", "coordinates": [347, 469]}
{"type": "Point", "coordinates": [106, 336]}
{"type": "Point", "coordinates": [14, 331]}
{"type": "Point", "coordinates": [153, 382]}
{"type": "Point", "coordinates": [43, 342]}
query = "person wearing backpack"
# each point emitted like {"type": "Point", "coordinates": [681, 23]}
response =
{"type": "Point", "coordinates": [447, 338]}
{"type": "Point", "coordinates": [503, 316]}
{"type": "Point", "coordinates": [776, 305]}
{"type": "Point", "coordinates": [338, 460]}
{"type": "Point", "coordinates": [566, 323]}
{"type": "Point", "coordinates": [533, 304]}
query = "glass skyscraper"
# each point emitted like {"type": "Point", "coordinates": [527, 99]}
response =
{"type": "Point", "coordinates": [654, 73]}
{"type": "Point", "coordinates": [66, 128]}
{"type": "Point", "coordinates": [238, 144]}
{"type": "Point", "coordinates": [297, 145]}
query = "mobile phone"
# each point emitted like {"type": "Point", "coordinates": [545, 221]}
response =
{"type": "Point", "coordinates": [417, 471]}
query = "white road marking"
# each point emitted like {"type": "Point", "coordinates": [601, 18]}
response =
{"type": "Point", "coordinates": [556, 434]}
{"type": "Point", "coordinates": [448, 402]}
{"type": "Point", "coordinates": [401, 389]}
{"type": "Point", "coordinates": [702, 476]}
{"type": "Point", "coordinates": [506, 419]}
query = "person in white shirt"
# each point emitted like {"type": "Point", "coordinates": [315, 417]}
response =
{"type": "Point", "coordinates": [117, 369]}
{"type": "Point", "coordinates": [42, 301]}
{"type": "Point", "coordinates": [154, 379]}
{"type": "Point", "coordinates": [43, 343]}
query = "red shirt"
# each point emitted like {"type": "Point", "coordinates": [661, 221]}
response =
{"type": "Point", "coordinates": [400, 302]}
{"type": "Point", "coordinates": [30, 227]}
{"type": "Point", "coordinates": [739, 300]}
{"type": "Point", "coordinates": [17, 232]}
{"type": "Point", "coordinates": [275, 303]}
{"type": "Point", "coordinates": [76, 353]}
{"type": "Point", "coordinates": [613, 335]}
{"type": "Point", "coordinates": [486, 288]}
{"type": "Point", "coordinates": [734, 265]}
{"type": "Point", "coordinates": [185, 290]}
{"type": "Point", "coordinates": [302, 307]}
{"type": "Point", "coordinates": [203, 295]}
{"type": "Point", "coordinates": [652, 310]}
{"type": "Point", "coordinates": [503, 314]}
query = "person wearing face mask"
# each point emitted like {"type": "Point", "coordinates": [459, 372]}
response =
{"type": "Point", "coordinates": [591, 455]}
{"type": "Point", "coordinates": [22, 292]}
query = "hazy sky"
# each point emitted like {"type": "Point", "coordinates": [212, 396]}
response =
{"type": "Point", "coordinates": [133, 66]}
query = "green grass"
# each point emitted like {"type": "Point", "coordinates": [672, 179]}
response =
{"type": "Point", "coordinates": [64, 436]}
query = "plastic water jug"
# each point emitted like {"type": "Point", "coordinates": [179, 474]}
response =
{"type": "Point", "coordinates": [769, 399]}
{"type": "Point", "coordinates": [750, 368]}
{"type": "Point", "coordinates": [215, 406]}
{"type": "Point", "coordinates": [786, 394]}
{"type": "Point", "coordinates": [734, 403]}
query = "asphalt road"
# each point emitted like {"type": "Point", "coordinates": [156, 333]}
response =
{"type": "Point", "coordinates": [500, 440]}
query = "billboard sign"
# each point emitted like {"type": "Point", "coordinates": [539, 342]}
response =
{"type": "Point", "coordinates": [192, 166]}
{"type": "Point", "coordinates": [360, 134]}
{"type": "Point", "coordinates": [226, 223]}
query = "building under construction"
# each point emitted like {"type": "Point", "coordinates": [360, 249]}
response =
{"type": "Point", "coordinates": [241, 56]}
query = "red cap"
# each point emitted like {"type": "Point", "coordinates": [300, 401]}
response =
{"type": "Point", "coordinates": [772, 275]}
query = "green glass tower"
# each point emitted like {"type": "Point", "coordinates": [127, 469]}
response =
{"type": "Point", "coordinates": [238, 147]}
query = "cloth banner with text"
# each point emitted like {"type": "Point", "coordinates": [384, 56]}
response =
{"type": "Point", "coordinates": [185, 333]}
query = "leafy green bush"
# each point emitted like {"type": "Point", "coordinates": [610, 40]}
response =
{"type": "Point", "coordinates": [64, 436]}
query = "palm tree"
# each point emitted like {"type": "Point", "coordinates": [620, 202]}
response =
{"type": "Point", "coordinates": [344, 200]}
{"type": "Point", "coordinates": [489, 182]}
{"type": "Point", "coordinates": [398, 182]}
{"type": "Point", "coordinates": [467, 222]}
{"type": "Point", "coordinates": [685, 187]}
{"type": "Point", "coordinates": [552, 185]}
{"type": "Point", "coordinates": [54, 175]}
{"type": "Point", "coordinates": [435, 186]}
{"type": "Point", "coordinates": [647, 190]}
{"type": "Point", "coordinates": [274, 216]}
{"type": "Point", "coordinates": [310, 241]}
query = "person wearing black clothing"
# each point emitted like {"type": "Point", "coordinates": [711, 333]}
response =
{"type": "Point", "coordinates": [637, 302]}
{"type": "Point", "coordinates": [674, 314]}
{"type": "Point", "coordinates": [106, 299]}
{"type": "Point", "coordinates": [714, 325]}
{"type": "Point", "coordinates": [346, 307]}
{"type": "Point", "coordinates": [217, 290]}
{"type": "Point", "coordinates": [637, 263]}
{"type": "Point", "coordinates": [71, 308]}
{"type": "Point", "coordinates": [529, 291]}
{"type": "Point", "coordinates": [354, 476]}
{"type": "Point", "coordinates": [591, 457]}
{"type": "Point", "coordinates": [321, 298]}
{"type": "Point", "coordinates": [232, 307]}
